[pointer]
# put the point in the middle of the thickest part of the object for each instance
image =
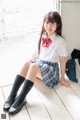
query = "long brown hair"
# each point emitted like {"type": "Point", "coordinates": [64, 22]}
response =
{"type": "Point", "coordinates": [51, 17]}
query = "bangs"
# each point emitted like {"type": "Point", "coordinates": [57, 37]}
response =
{"type": "Point", "coordinates": [49, 18]}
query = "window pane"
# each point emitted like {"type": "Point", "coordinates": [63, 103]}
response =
{"type": "Point", "coordinates": [20, 17]}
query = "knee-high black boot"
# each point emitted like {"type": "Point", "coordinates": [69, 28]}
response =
{"type": "Point", "coordinates": [17, 83]}
{"type": "Point", "coordinates": [20, 101]}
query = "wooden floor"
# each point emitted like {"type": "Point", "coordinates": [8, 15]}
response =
{"type": "Point", "coordinates": [60, 103]}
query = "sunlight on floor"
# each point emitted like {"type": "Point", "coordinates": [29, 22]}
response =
{"type": "Point", "coordinates": [12, 59]}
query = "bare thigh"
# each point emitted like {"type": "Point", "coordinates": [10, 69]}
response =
{"type": "Point", "coordinates": [33, 72]}
{"type": "Point", "coordinates": [39, 74]}
{"type": "Point", "coordinates": [24, 69]}
{"type": "Point", "coordinates": [28, 73]}
{"type": "Point", "coordinates": [42, 86]}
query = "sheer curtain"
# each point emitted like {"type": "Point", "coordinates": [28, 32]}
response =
{"type": "Point", "coordinates": [19, 18]}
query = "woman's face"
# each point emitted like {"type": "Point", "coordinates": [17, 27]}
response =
{"type": "Point", "coordinates": [50, 28]}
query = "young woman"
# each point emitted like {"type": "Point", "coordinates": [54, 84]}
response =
{"type": "Point", "coordinates": [51, 52]}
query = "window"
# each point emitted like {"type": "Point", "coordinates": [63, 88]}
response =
{"type": "Point", "coordinates": [19, 18]}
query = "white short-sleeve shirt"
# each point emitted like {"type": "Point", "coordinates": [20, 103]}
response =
{"type": "Point", "coordinates": [56, 49]}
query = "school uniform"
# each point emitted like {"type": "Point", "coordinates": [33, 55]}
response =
{"type": "Point", "coordinates": [48, 59]}
{"type": "Point", "coordinates": [51, 49]}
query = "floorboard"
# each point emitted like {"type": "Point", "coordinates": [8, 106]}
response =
{"type": "Point", "coordinates": [70, 101]}
{"type": "Point", "coordinates": [60, 103]}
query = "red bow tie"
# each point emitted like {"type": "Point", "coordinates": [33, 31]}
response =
{"type": "Point", "coordinates": [46, 42]}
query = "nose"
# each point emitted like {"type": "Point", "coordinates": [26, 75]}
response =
{"type": "Point", "coordinates": [49, 26]}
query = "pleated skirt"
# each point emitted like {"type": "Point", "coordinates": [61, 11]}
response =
{"type": "Point", "coordinates": [49, 72]}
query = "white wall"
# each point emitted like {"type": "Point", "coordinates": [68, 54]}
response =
{"type": "Point", "coordinates": [71, 24]}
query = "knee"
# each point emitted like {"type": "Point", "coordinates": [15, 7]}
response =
{"type": "Point", "coordinates": [27, 64]}
{"type": "Point", "coordinates": [33, 66]}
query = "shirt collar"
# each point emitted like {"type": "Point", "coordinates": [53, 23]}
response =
{"type": "Point", "coordinates": [53, 36]}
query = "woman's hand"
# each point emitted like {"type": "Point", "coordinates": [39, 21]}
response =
{"type": "Point", "coordinates": [64, 83]}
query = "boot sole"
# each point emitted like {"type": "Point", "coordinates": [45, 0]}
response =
{"type": "Point", "coordinates": [18, 109]}
{"type": "Point", "coordinates": [7, 109]}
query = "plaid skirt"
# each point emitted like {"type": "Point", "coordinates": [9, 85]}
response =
{"type": "Point", "coordinates": [49, 72]}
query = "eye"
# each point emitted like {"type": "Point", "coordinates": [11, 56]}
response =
{"type": "Point", "coordinates": [46, 22]}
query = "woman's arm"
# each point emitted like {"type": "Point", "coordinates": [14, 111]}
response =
{"type": "Point", "coordinates": [63, 66]}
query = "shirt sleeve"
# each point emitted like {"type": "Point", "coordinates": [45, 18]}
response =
{"type": "Point", "coordinates": [61, 48]}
